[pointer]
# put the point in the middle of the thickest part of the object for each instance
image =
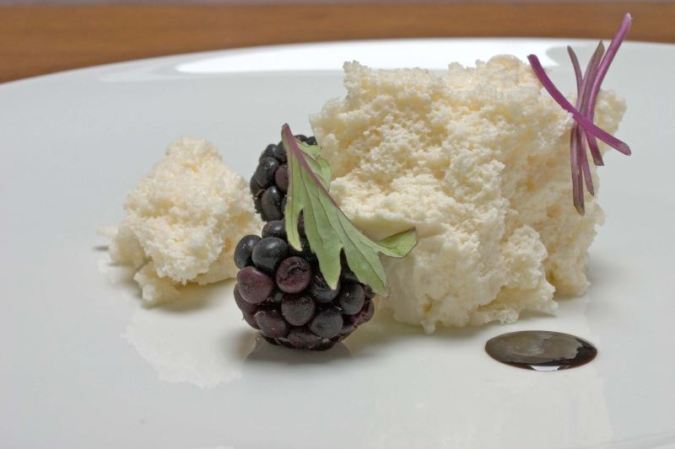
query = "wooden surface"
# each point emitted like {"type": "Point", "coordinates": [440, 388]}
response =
{"type": "Point", "coordinates": [41, 39]}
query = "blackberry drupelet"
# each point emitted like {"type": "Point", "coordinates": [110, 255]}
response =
{"type": "Point", "coordinates": [269, 183]}
{"type": "Point", "coordinates": [283, 295]}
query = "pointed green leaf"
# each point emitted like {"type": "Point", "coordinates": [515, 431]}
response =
{"type": "Point", "coordinates": [327, 228]}
{"type": "Point", "coordinates": [398, 245]}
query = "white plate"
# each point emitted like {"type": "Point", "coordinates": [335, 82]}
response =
{"type": "Point", "coordinates": [83, 365]}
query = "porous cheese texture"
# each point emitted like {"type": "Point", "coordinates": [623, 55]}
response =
{"type": "Point", "coordinates": [183, 222]}
{"type": "Point", "coordinates": [477, 159]}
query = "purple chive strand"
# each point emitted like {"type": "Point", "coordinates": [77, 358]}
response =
{"type": "Point", "coordinates": [585, 123]}
{"type": "Point", "coordinates": [608, 57]}
{"type": "Point", "coordinates": [577, 68]}
{"type": "Point", "coordinates": [588, 104]}
{"type": "Point", "coordinates": [577, 182]}
{"type": "Point", "coordinates": [578, 146]}
{"type": "Point", "coordinates": [584, 133]}
{"type": "Point", "coordinates": [583, 160]}
{"type": "Point", "coordinates": [602, 68]}
{"type": "Point", "coordinates": [581, 141]}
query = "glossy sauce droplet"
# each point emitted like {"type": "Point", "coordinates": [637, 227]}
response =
{"type": "Point", "coordinates": [540, 350]}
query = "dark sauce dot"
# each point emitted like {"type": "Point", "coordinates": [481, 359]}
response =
{"type": "Point", "coordinates": [541, 350]}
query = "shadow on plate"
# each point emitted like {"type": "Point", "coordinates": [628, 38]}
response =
{"type": "Point", "coordinates": [264, 352]}
{"type": "Point", "coordinates": [383, 330]}
{"type": "Point", "coordinates": [369, 341]}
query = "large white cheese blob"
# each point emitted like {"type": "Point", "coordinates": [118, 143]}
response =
{"type": "Point", "coordinates": [477, 159]}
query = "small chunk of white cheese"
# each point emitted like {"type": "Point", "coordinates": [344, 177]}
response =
{"type": "Point", "coordinates": [477, 159]}
{"type": "Point", "coordinates": [183, 222]}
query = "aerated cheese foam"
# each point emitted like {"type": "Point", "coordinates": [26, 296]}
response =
{"type": "Point", "coordinates": [477, 159]}
{"type": "Point", "coordinates": [183, 222]}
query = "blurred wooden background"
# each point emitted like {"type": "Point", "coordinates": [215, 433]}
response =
{"type": "Point", "coordinates": [41, 39]}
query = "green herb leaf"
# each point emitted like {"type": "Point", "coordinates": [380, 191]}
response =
{"type": "Point", "coordinates": [328, 229]}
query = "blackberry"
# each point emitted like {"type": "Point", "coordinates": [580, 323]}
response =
{"type": "Point", "coordinates": [282, 294]}
{"type": "Point", "coordinates": [269, 183]}
{"type": "Point", "coordinates": [268, 253]}
{"type": "Point", "coordinates": [274, 228]}
{"type": "Point", "coordinates": [244, 250]}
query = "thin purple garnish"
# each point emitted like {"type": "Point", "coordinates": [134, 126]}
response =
{"type": "Point", "coordinates": [585, 133]}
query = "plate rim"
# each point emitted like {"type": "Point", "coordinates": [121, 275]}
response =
{"type": "Point", "coordinates": [91, 69]}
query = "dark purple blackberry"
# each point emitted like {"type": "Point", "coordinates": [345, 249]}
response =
{"type": "Point", "coordinates": [352, 298]}
{"type": "Point", "coordinates": [254, 285]}
{"type": "Point", "coordinates": [293, 275]}
{"type": "Point", "coordinates": [271, 323]}
{"type": "Point", "coordinates": [269, 183]}
{"type": "Point", "coordinates": [281, 178]}
{"type": "Point", "coordinates": [298, 310]}
{"type": "Point", "coordinates": [277, 151]}
{"type": "Point", "coordinates": [327, 323]}
{"type": "Point", "coordinates": [320, 290]}
{"type": "Point", "coordinates": [244, 250]}
{"type": "Point", "coordinates": [288, 300]}
{"type": "Point", "coordinates": [268, 253]}
{"type": "Point", "coordinates": [274, 228]}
